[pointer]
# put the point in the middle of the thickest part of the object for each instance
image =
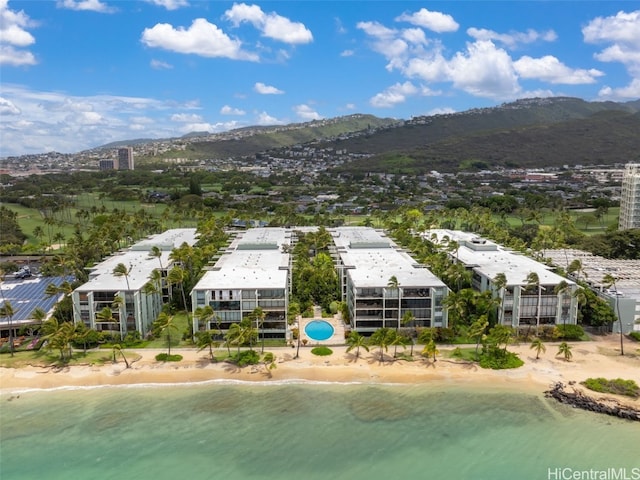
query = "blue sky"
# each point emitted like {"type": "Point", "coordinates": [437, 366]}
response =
{"type": "Point", "coordinates": [75, 74]}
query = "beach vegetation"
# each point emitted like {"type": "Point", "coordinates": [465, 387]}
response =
{"type": "Point", "coordinates": [430, 350]}
{"type": "Point", "coordinates": [569, 332]}
{"type": "Point", "coordinates": [538, 345]}
{"type": "Point", "coordinates": [382, 338]}
{"type": "Point", "coordinates": [166, 357]}
{"type": "Point", "coordinates": [117, 350]}
{"type": "Point", "coordinates": [356, 341]}
{"type": "Point", "coordinates": [245, 357]}
{"type": "Point", "coordinates": [46, 358]}
{"type": "Point", "coordinates": [564, 349]}
{"type": "Point", "coordinates": [165, 326]}
{"type": "Point", "coordinates": [269, 361]}
{"type": "Point", "coordinates": [208, 340]}
{"type": "Point", "coordinates": [616, 386]}
{"type": "Point", "coordinates": [499, 359]}
{"type": "Point", "coordinates": [321, 351]}
{"type": "Point", "coordinates": [635, 336]}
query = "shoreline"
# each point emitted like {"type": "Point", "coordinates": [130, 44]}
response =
{"type": "Point", "coordinates": [597, 358]}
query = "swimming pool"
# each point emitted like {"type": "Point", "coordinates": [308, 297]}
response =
{"type": "Point", "coordinates": [318, 330]}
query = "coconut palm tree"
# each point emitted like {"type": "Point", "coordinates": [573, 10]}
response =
{"type": "Point", "coordinates": [259, 315]}
{"type": "Point", "coordinates": [355, 340]}
{"type": "Point", "coordinates": [382, 338]}
{"type": "Point", "coordinates": [609, 281]}
{"type": "Point", "coordinates": [565, 349]}
{"type": "Point", "coordinates": [7, 311]}
{"type": "Point", "coordinates": [165, 324]}
{"type": "Point", "coordinates": [533, 280]}
{"type": "Point", "coordinates": [177, 276]}
{"type": "Point", "coordinates": [393, 284]}
{"type": "Point", "coordinates": [560, 289]}
{"type": "Point", "coordinates": [121, 270]}
{"type": "Point", "coordinates": [205, 339]}
{"type": "Point", "coordinates": [477, 330]}
{"type": "Point", "coordinates": [431, 350]}
{"type": "Point", "coordinates": [155, 252]}
{"type": "Point", "coordinates": [538, 345]}
{"type": "Point", "coordinates": [500, 281]}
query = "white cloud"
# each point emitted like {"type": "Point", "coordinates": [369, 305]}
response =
{"type": "Point", "coordinates": [86, 5]}
{"type": "Point", "coordinates": [227, 110]}
{"type": "Point", "coordinates": [347, 53]}
{"type": "Point", "coordinates": [271, 25]}
{"type": "Point", "coordinates": [434, 21]}
{"type": "Point", "coordinates": [394, 95]}
{"type": "Point", "coordinates": [14, 37]}
{"type": "Point", "coordinates": [263, 118]}
{"type": "Point", "coordinates": [441, 111]}
{"type": "Point", "coordinates": [512, 39]}
{"type": "Point", "coordinates": [550, 69]}
{"type": "Point", "coordinates": [485, 71]}
{"type": "Point", "coordinates": [170, 4]}
{"type": "Point", "coordinates": [263, 89]}
{"type": "Point", "coordinates": [186, 118]}
{"type": "Point", "coordinates": [201, 38]}
{"type": "Point", "coordinates": [39, 121]}
{"type": "Point", "coordinates": [622, 32]}
{"type": "Point", "coordinates": [306, 113]}
{"type": "Point", "coordinates": [8, 108]}
{"type": "Point", "coordinates": [160, 65]}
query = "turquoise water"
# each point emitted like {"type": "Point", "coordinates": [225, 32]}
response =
{"type": "Point", "coordinates": [302, 431]}
{"type": "Point", "coordinates": [318, 330]}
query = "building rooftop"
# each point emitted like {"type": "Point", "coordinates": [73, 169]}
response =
{"type": "Point", "coordinates": [137, 259]}
{"type": "Point", "coordinates": [254, 259]}
{"type": "Point", "coordinates": [372, 259]}
{"type": "Point", "coordinates": [490, 259]}
{"type": "Point", "coordinates": [626, 272]}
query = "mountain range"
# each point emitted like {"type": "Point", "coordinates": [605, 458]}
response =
{"type": "Point", "coordinates": [528, 133]}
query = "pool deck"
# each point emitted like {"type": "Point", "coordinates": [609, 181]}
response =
{"type": "Point", "coordinates": [336, 322]}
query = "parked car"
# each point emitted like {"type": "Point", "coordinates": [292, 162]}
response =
{"type": "Point", "coordinates": [24, 272]}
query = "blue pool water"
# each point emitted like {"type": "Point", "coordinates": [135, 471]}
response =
{"type": "Point", "coordinates": [318, 330]}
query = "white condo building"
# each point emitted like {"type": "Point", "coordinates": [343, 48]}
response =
{"type": "Point", "coordinates": [253, 271]}
{"type": "Point", "coordinates": [630, 198]}
{"type": "Point", "coordinates": [367, 260]}
{"type": "Point", "coordinates": [140, 308]}
{"type": "Point", "coordinates": [522, 304]}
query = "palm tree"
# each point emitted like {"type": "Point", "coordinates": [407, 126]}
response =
{"type": "Point", "coordinates": [7, 311]}
{"type": "Point", "coordinates": [269, 361]}
{"type": "Point", "coordinates": [117, 348]}
{"type": "Point", "coordinates": [355, 340]}
{"type": "Point", "coordinates": [155, 252]}
{"type": "Point", "coordinates": [165, 325]}
{"type": "Point", "coordinates": [431, 349]}
{"type": "Point", "coordinates": [610, 281]}
{"type": "Point", "coordinates": [565, 349]}
{"type": "Point", "coordinates": [121, 270]}
{"type": "Point", "coordinates": [382, 338]}
{"type": "Point", "coordinates": [538, 345]}
{"type": "Point", "coordinates": [203, 314]}
{"type": "Point", "coordinates": [533, 280]}
{"type": "Point", "coordinates": [206, 339]}
{"type": "Point", "coordinates": [39, 315]}
{"type": "Point", "coordinates": [234, 336]}
{"type": "Point", "coordinates": [560, 289]}
{"type": "Point", "coordinates": [395, 285]}
{"type": "Point", "coordinates": [398, 340]}
{"type": "Point", "coordinates": [259, 315]}
{"type": "Point", "coordinates": [576, 267]}
{"type": "Point", "coordinates": [58, 336]}
{"type": "Point", "coordinates": [477, 330]}
{"type": "Point", "coordinates": [177, 276]}
{"type": "Point", "coordinates": [500, 281]}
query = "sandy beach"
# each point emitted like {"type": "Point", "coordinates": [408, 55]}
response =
{"type": "Point", "coordinates": [598, 358]}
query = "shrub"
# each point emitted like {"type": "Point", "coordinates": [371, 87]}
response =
{"type": "Point", "coordinates": [165, 357]}
{"type": "Point", "coordinates": [246, 357]}
{"type": "Point", "coordinates": [568, 332]}
{"type": "Point", "coordinates": [617, 386]}
{"type": "Point", "coordinates": [321, 351]}
{"type": "Point", "coordinates": [498, 359]}
{"type": "Point", "coordinates": [635, 336]}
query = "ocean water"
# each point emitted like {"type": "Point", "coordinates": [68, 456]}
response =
{"type": "Point", "coordinates": [305, 431]}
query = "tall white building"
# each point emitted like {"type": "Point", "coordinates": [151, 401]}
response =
{"type": "Point", "coordinates": [630, 198]}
